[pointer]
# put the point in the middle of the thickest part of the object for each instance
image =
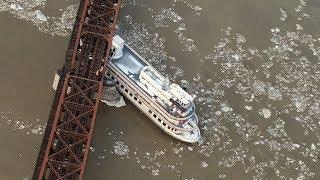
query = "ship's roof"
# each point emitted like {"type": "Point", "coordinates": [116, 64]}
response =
{"type": "Point", "coordinates": [130, 63]}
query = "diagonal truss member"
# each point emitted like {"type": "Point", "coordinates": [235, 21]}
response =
{"type": "Point", "coordinates": [69, 131]}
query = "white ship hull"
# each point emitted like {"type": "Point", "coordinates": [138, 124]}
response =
{"type": "Point", "coordinates": [181, 128]}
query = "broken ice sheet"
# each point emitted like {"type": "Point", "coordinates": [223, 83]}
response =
{"type": "Point", "coordinates": [120, 148]}
{"type": "Point", "coordinates": [300, 102]}
{"type": "Point", "coordinates": [274, 93]}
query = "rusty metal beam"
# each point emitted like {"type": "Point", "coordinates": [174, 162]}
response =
{"type": "Point", "coordinates": [65, 146]}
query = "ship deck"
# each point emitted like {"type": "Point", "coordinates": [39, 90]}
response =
{"type": "Point", "coordinates": [130, 63]}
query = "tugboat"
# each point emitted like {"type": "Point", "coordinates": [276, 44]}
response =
{"type": "Point", "coordinates": [165, 103]}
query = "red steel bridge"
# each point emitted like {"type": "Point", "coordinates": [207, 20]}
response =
{"type": "Point", "coordinates": [65, 146]}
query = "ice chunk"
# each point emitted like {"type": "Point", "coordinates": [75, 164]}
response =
{"type": "Point", "coordinates": [204, 164]}
{"type": "Point", "coordinates": [274, 94]}
{"type": "Point", "coordinates": [155, 172]}
{"type": "Point", "coordinates": [299, 27]}
{"type": "Point", "coordinates": [16, 7]}
{"type": "Point", "coordinates": [283, 15]}
{"type": "Point", "coordinates": [266, 113]}
{"type": "Point", "coordinates": [91, 149]}
{"type": "Point", "coordinates": [185, 84]}
{"type": "Point", "coordinates": [40, 16]}
{"type": "Point", "coordinates": [300, 102]}
{"type": "Point", "coordinates": [236, 57]}
{"type": "Point", "coordinates": [249, 108]}
{"type": "Point", "coordinates": [190, 148]}
{"type": "Point", "coordinates": [197, 8]}
{"type": "Point", "coordinates": [196, 78]}
{"type": "Point", "coordinates": [225, 108]}
{"type": "Point", "coordinates": [275, 30]}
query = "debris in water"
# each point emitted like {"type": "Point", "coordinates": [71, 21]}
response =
{"type": "Point", "coordinates": [110, 94]}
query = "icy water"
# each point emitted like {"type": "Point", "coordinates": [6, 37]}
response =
{"type": "Point", "coordinates": [254, 67]}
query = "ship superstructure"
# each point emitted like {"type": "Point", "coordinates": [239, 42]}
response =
{"type": "Point", "coordinates": [165, 103]}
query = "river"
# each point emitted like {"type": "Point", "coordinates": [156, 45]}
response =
{"type": "Point", "coordinates": [254, 67]}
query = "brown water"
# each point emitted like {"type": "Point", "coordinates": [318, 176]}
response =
{"type": "Point", "coordinates": [253, 65]}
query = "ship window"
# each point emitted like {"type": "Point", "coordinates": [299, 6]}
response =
{"type": "Point", "coordinates": [112, 77]}
{"type": "Point", "coordinates": [108, 74]}
{"type": "Point", "coordinates": [117, 82]}
{"type": "Point", "coordinates": [130, 94]}
{"type": "Point", "coordinates": [168, 127]}
{"type": "Point", "coordinates": [140, 102]}
{"type": "Point", "coordinates": [126, 90]}
{"type": "Point", "coordinates": [159, 119]}
{"type": "Point", "coordinates": [154, 115]}
{"type": "Point", "coordinates": [122, 86]}
{"type": "Point", "coordinates": [164, 124]}
{"type": "Point", "coordinates": [150, 111]}
{"type": "Point", "coordinates": [135, 98]}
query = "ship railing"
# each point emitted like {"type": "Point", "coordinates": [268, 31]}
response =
{"type": "Point", "coordinates": [180, 128]}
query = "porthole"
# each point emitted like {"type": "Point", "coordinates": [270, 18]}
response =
{"type": "Point", "coordinates": [135, 98]}
{"type": "Point", "coordinates": [159, 119]}
{"type": "Point", "coordinates": [122, 86]}
{"type": "Point", "coordinates": [140, 102]}
{"type": "Point", "coordinates": [150, 111]}
{"type": "Point", "coordinates": [164, 124]}
{"type": "Point", "coordinates": [117, 82]}
{"type": "Point", "coordinates": [126, 90]}
{"type": "Point", "coordinates": [154, 115]}
{"type": "Point", "coordinates": [130, 94]}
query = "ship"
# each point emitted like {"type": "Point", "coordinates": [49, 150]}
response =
{"type": "Point", "coordinates": [166, 104]}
